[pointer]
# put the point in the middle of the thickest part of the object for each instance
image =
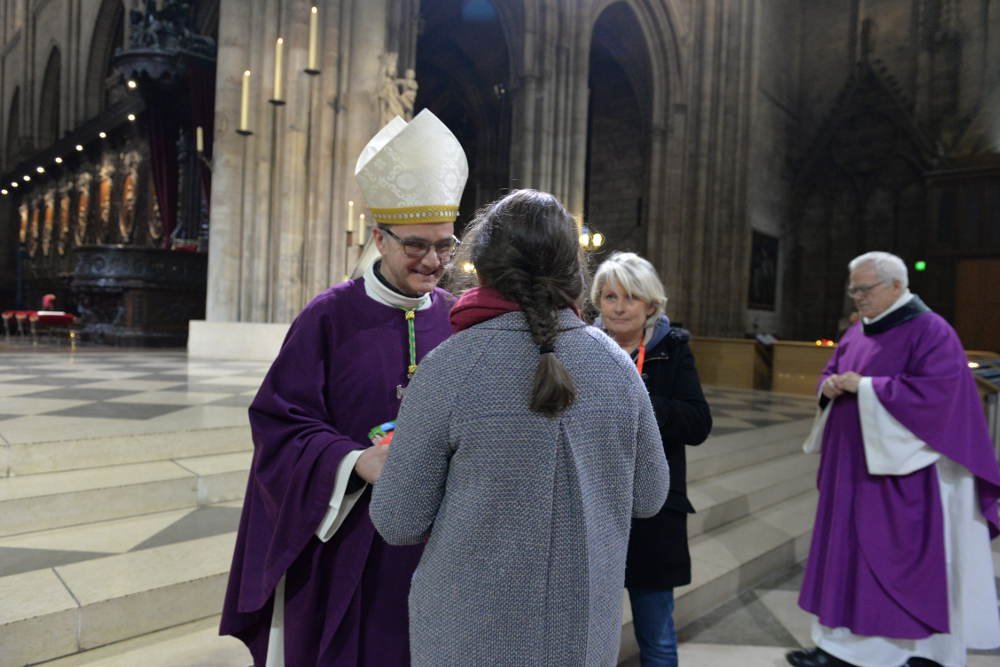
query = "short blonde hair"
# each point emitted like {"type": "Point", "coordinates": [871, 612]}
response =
{"type": "Point", "coordinates": [636, 276]}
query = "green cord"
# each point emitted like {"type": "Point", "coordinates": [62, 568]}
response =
{"type": "Point", "coordinates": [412, 336]}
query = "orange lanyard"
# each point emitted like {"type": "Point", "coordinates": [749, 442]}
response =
{"type": "Point", "coordinates": [641, 358]}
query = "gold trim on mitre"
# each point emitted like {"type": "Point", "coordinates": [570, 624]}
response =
{"type": "Point", "coordinates": [413, 173]}
{"type": "Point", "coordinates": [414, 215]}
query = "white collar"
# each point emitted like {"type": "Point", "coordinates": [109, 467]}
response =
{"type": "Point", "coordinates": [382, 293]}
{"type": "Point", "coordinates": [899, 303]}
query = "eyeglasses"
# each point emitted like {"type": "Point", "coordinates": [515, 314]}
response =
{"type": "Point", "coordinates": [417, 248]}
{"type": "Point", "coordinates": [862, 290]}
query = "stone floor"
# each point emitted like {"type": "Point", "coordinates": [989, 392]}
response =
{"type": "Point", "coordinates": [48, 395]}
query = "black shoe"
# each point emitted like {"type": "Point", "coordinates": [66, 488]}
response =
{"type": "Point", "coordinates": [922, 662]}
{"type": "Point", "coordinates": [814, 657]}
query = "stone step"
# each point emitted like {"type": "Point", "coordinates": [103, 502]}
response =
{"type": "Point", "coordinates": [29, 458]}
{"type": "Point", "coordinates": [733, 451]}
{"type": "Point", "coordinates": [731, 496]}
{"type": "Point", "coordinates": [43, 501]}
{"type": "Point", "coordinates": [735, 557]}
{"type": "Point", "coordinates": [113, 602]}
{"type": "Point", "coordinates": [195, 644]}
{"type": "Point", "coordinates": [70, 608]}
{"type": "Point", "coordinates": [114, 598]}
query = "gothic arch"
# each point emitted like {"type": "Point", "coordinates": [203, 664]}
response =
{"type": "Point", "coordinates": [462, 46]}
{"type": "Point", "coordinates": [13, 128]}
{"type": "Point", "coordinates": [618, 129]}
{"type": "Point", "coordinates": [48, 100]}
{"type": "Point", "coordinates": [660, 25]}
{"type": "Point", "coordinates": [108, 34]}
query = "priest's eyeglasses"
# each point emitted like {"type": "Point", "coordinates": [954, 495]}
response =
{"type": "Point", "coordinates": [417, 248]}
{"type": "Point", "coordinates": [862, 290]}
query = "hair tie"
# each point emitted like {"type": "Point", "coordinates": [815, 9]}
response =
{"type": "Point", "coordinates": [546, 348]}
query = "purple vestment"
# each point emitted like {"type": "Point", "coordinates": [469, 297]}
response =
{"type": "Point", "coordinates": [877, 561]}
{"type": "Point", "coordinates": [333, 380]}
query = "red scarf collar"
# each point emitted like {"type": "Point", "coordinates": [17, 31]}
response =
{"type": "Point", "coordinates": [484, 303]}
{"type": "Point", "coordinates": [478, 305]}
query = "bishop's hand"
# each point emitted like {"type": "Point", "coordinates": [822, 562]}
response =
{"type": "Point", "coordinates": [369, 465]}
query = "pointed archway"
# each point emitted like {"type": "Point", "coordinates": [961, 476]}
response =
{"type": "Point", "coordinates": [13, 129]}
{"type": "Point", "coordinates": [463, 67]}
{"type": "Point", "coordinates": [618, 133]}
{"type": "Point", "coordinates": [48, 102]}
{"type": "Point", "coordinates": [108, 35]}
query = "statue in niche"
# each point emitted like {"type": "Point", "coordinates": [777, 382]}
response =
{"type": "Point", "coordinates": [397, 96]}
{"type": "Point", "coordinates": [104, 186]}
{"type": "Point", "coordinates": [23, 212]}
{"type": "Point", "coordinates": [48, 221]}
{"type": "Point", "coordinates": [126, 214]}
{"type": "Point", "coordinates": [82, 207]}
{"type": "Point", "coordinates": [408, 93]}
{"type": "Point", "coordinates": [65, 200]}
{"type": "Point", "coordinates": [36, 210]}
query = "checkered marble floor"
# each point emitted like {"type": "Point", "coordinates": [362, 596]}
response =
{"type": "Point", "coordinates": [52, 394]}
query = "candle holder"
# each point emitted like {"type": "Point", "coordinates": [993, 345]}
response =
{"type": "Point", "coordinates": [277, 103]}
{"type": "Point", "coordinates": [244, 133]}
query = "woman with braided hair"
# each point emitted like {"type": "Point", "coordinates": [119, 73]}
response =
{"type": "Point", "coordinates": [525, 445]}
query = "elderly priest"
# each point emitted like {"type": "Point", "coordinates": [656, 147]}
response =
{"type": "Point", "coordinates": [312, 583]}
{"type": "Point", "coordinates": [900, 570]}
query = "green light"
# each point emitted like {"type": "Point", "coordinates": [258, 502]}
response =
{"type": "Point", "coordinates": [920, 266]}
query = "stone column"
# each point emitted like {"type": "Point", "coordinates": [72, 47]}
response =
{"type": "Point", "coordinates": [226, 282]}
{"type": "Point", "coordinates": [279, 196]}
{"type": "Point", "coordinates": [712, 233]}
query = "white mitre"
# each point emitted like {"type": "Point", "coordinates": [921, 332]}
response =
{"type": "Point", "coordinates": [413, 173]}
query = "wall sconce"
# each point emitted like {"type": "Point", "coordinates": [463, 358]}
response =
{"type": "Point", "coordinates": [591, 240]}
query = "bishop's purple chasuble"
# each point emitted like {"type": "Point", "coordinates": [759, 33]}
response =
{"type": "Point", "coordinates": [335, 377]}
{"type": "Point", "coordinates": [877, 561]}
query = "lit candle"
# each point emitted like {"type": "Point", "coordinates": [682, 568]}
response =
{"type": "Point", "coordinates": [361, 229]}
{"type": "Point", "coordinates": [350, 216]}
{"type": "Point", "coordinates": [279, 49]}
{"type": "Point", "coordinates": [313, 39]}
{"type": "Point", "coordinates": [199, 139]}
{"type": "Point", "coordinates": [245, 103]}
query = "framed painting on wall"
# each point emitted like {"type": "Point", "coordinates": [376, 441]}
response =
{"type": "Point", "coordinates": [763, 271]}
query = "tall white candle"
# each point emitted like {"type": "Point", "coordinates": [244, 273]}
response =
{"type": "Point", "coordinates": [361, 229]}
{"type": "Point", "coordinates": [245, 103]}
{"type": "Point", "coordinates": [279, 49]}
{"type": "Point", "coordinates": [350, 216]}
{"type": "Point", "coordinates": [313, 39]}
{"type": "Point", "coordinates": [199, 139]}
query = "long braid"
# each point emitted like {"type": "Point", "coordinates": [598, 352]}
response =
{"type": "Point", "coordinates": [552, 390]}
{"type": "Point", "coordinates": [525, 246]}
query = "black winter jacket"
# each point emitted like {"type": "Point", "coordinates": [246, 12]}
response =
{"type": "Point", "coordinates": [658, 551]}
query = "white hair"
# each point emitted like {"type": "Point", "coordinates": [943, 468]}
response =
{"type": "Point", "coordinates": [888, 266]}
{"type": "Point", "coordinates": [636, 276]}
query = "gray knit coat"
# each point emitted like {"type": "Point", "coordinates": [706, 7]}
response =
{"type": "Point", "coordinates": [528, 516]}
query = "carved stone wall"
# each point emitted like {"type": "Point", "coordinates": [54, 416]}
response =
{"type": "Point", "coordinates": [892, 92]}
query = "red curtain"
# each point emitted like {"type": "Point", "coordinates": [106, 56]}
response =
{"type": "Point", "coordinates": [163, 121]}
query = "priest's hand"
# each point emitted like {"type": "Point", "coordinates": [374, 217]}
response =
{"type": "Point", "coordinates": [369, 465]}
{"type": "Point", "coordinates": [830, 388]}
{"type": "Point", "coordinates": [849, 381]}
